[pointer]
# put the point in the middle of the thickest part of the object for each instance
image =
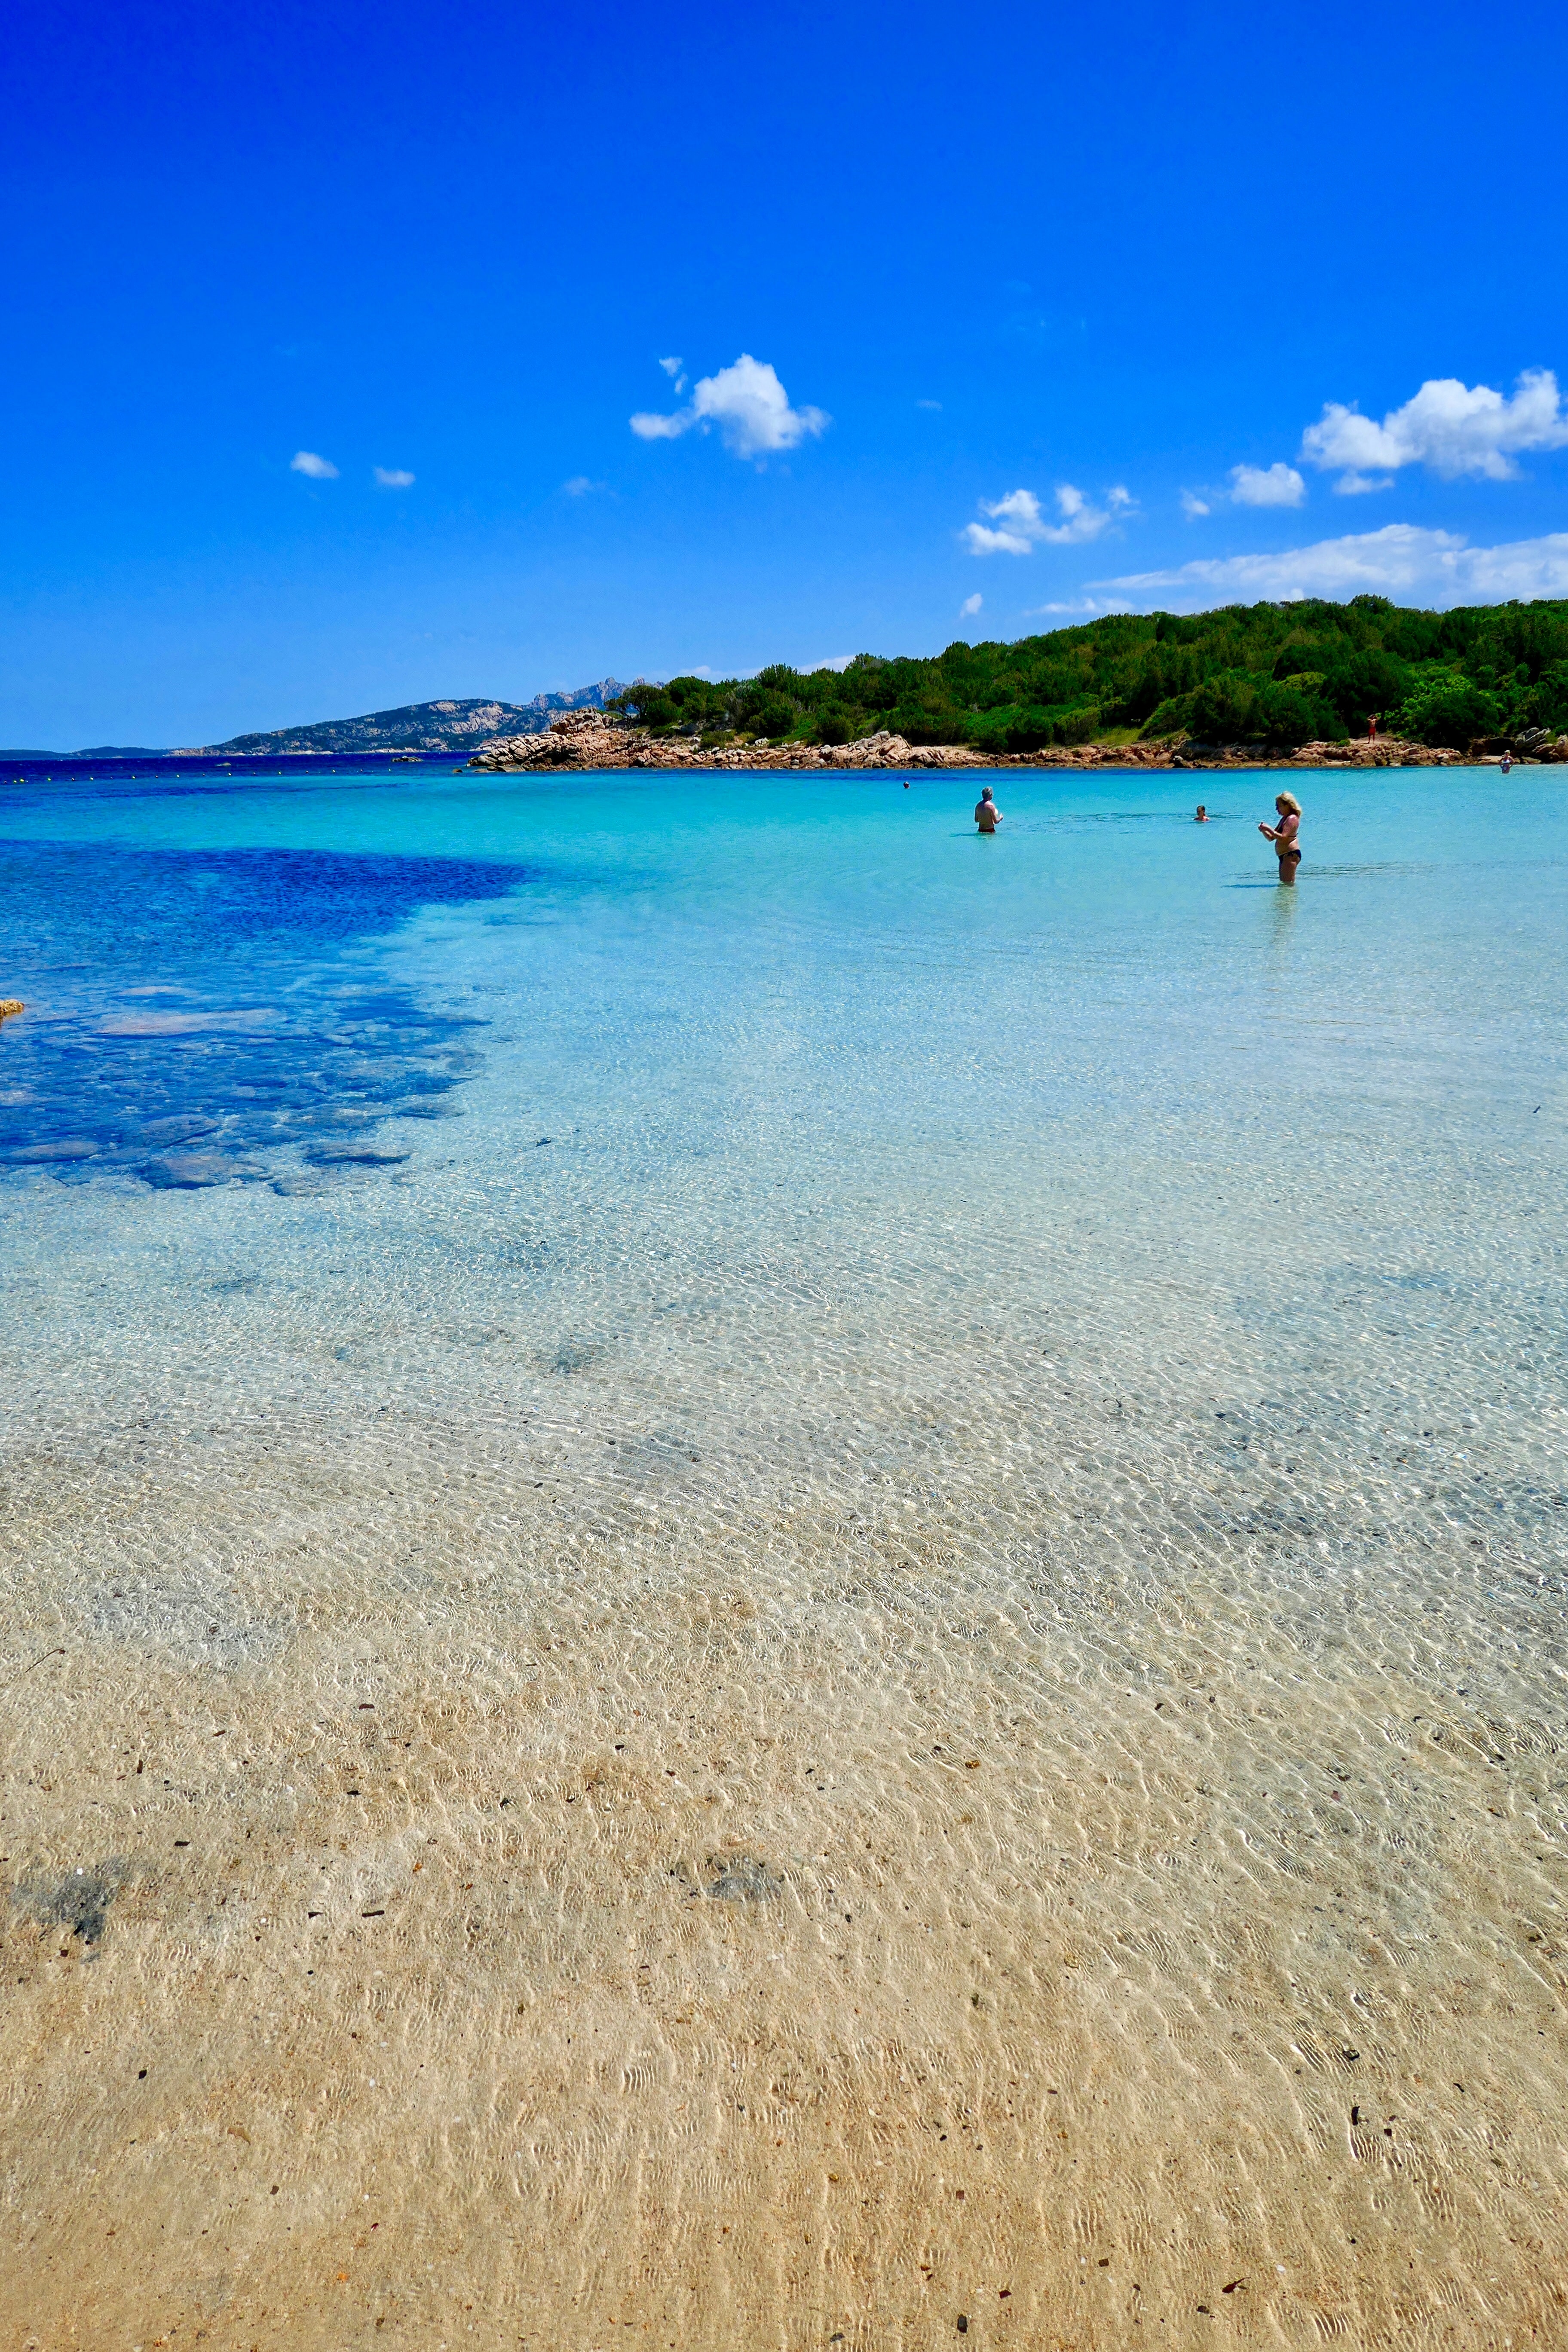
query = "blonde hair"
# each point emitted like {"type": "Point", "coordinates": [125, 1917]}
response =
{"type": "Point", "coordinates": [1288, 800]}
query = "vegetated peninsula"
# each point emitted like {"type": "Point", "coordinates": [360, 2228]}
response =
{"type": "Point", "coordinates": [421, 725]}
{"type": "Point", "coordinates": [1293, 680]}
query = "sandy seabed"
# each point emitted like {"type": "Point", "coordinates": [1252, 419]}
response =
{"type": "Point", "coordinates": [832, 1863]}
{"type": "Point", "coordinates": [877, 1658]}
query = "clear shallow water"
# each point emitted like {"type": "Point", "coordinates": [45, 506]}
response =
{"type": "Point", "coordinates": [708, 1308]}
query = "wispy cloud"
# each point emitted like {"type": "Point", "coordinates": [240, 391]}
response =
{"type": "Point", "coordinates": [970, 607]}
{"type": "Point", "coordinates": [393, 477]}
{"type": "Point", "coordinates": [1438, 567]}
{"type": "Point", "coordinates": [1023, 525]}
{"type": "Point", "coordinates": [1081, 605]}
{"type": "Point", "coordinates": [581, 486]}
{"type": "Point", "coordinates": [675, 370]}
{"type": "Point", "coordinates": [929, 403]}
{"type": "Point", "coordinates": [1193, 506]}
{"type": "Point", "coordinates": [319, 469]}
{"type": "Point", "coordinates": [1267, 486]}
{"type": "Point", "coordinates": [1454, 428]}
{"type": "Point", "coordinates": [748, 404]}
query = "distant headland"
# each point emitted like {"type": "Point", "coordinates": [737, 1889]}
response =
{"type": "Point", "coordinates": [432, 728]}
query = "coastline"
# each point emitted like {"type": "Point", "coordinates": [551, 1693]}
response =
{"type": "Point", "coordinates": [585, 740]}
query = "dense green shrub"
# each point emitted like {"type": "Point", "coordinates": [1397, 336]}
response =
{"type": "Point", "coordinates": [1238, 708]}
{"type": "Point", "coordinates": [1446, 707]}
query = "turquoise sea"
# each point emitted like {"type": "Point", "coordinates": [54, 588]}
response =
{"type": "Point", "coordinates": [743, 1252]}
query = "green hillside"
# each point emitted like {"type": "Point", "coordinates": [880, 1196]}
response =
{"type": "Point", "coordinates": [1276, 674]}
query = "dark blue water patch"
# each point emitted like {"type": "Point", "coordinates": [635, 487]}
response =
{"type": "Point", "coordinates": [195, 1014]}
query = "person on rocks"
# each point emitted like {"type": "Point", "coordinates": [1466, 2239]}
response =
{"type": "Point", "coordinates": [987, 815]}
{"type": "Point", "coordinates": [1286, 835]}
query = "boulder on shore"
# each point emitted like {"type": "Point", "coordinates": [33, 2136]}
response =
{"type": "Point", "coordinates": [588, 738]}
{"type": "Point", "coordinates": [577, 739]}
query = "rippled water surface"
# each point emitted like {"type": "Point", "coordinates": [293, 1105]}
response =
{"type": "Point", "coordinates": [772, 1576]}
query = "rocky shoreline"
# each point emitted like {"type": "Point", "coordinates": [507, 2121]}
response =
{"type": "Point", "coordinates": [587, 740]}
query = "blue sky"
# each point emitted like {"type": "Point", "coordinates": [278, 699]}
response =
{"type": "Point", "coordinates": [982, 303]}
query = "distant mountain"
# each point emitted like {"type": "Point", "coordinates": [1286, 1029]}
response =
{"type": "Point", "coordinates": [120, 751]}
{"type": "Point", "coordinates": [422, 725]}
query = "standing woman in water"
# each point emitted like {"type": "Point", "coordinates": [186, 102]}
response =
{"type": "Point", "coordinates": [1286, 835]}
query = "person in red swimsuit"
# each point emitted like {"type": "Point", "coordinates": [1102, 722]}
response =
{"type": "Point", "coordinates": [1286, 835]}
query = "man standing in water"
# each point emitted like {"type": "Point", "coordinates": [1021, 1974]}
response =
{"type": "Point", "coordinates": [987, 815]}
{"type": "Point", "coordinates": [1286, 835]}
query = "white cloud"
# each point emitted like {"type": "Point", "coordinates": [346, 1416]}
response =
{"type": "Point", "coordinates": [1024, 525]}
{"type": "Point", "coordinates": [1447, 425]}
{"type": "Point", "coordinates": [650, 426]}
{"type": "Point", "coordinates": [1082, 604]}
{"type": "Point", "coordinates": [1272, 485]}
{"type": "Point", "coordinates": [749, 406]}
{"type": "Point", "coordinates": [1193, 506]}
{"type": "Point", "coordinates": [393, 477]}
{"type": "Point", "coordinates": [581, 486]}
{"type": "Point", "coordinates": [838, 662]}
{"type": "Point", "coordinates": [1435, 567]}
{"type": "Point", "coordinates": [928, 404]}
{"type": "Point", "coordinates": [320, 469]}
{"type": "Point", "coordinates": [970, 607]}
{"type": "Point", "coordinates": [673, 369]}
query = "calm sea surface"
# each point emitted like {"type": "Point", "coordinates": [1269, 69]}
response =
{"type": "Point", "coordinates": [1031, 1369]}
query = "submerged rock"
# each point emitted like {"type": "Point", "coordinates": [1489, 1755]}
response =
{"type": "Point", "coordinates": [194, 1172]}
{"type": "Point", "coordinates": [79, 1901]}
{"type": "Point", "coordinates": [357, 1155]}
{"type": "Point", "coordinates": [60, 1148]}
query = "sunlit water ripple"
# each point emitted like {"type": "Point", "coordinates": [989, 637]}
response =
{"type": "Point", "coordinates": [772, 1576]}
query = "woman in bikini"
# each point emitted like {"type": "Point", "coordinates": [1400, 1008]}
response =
{"type": "Point", "coordinates": [1286, 834]}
